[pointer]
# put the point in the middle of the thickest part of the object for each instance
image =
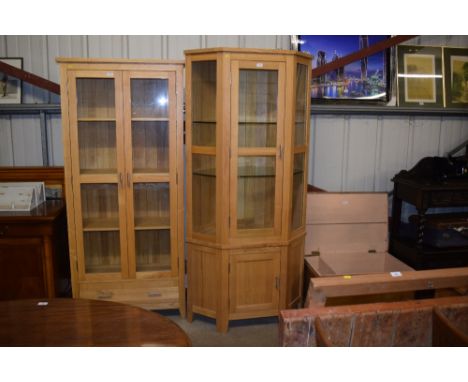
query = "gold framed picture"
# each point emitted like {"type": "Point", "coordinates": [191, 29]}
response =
{"type": "Point", "coordinates": [456, 77]}
{"type": "Point", "coordinates": [420, 78]}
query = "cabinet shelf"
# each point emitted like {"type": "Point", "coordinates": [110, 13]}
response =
{"type": "Point", "coordinates": [149, 223]}
{"type": "Point", "coordinates": [96, 119]}
{"type": "Point", "coordinates": [100, 224]}
{"type": "Point", "coordinates": [257, 123]}
{"type": "Point", "coordinates": [101, 171]}
{"type": "Point", "coordinates": [150, 119]}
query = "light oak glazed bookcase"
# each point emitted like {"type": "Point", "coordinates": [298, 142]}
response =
{"type": "Point", "coordinates": [122, 132]}
{"type": "Point", "coordinates": [247, 146]}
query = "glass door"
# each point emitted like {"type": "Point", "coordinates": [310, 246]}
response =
{"type": "Point", "coordinates": [300, 148]}
{"type": "Point", "coordinates": [150, 136]}
{"type": "Point", "coordinates": [96, 128]}
{"type": "Point", "coordinates": [202, 143]}
{"type": "Point", "coordinates": [257, 147]}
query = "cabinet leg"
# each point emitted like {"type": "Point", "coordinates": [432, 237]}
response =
{"type": "Point", "coordinates": [222, 324]}
{"type": "Point", "coordinates": [189, 314]}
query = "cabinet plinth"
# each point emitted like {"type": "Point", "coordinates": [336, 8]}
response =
{"type": "Point", "coordinates": [123, 131]}
{"type": "Point", "coordinates": [246, 148]}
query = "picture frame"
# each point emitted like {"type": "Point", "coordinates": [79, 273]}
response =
{"type": "Point", "coordinates": [456, 77]}
{"type": "Point", "coordinates": [11, 87]}
{"type": "Point", "coordinates": [420, 76]}
{"type": "Point", "coordinates": [363, 81]}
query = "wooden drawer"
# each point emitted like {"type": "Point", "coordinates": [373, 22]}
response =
{"type": "Point", "coordinates": [147, 294]}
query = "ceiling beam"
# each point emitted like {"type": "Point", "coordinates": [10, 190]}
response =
{"type": "Point", "coordinates": [30, 78]}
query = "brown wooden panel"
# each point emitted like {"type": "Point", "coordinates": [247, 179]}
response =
{"type": "Point", "coordinates": [21, 269]}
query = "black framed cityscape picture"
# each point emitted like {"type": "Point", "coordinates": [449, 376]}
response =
{"type": "Point", "coordinates": [365, 80]}
{"type": "Point", "coordinates": [420, 77]}
{"type": "Point", "coordinates": [456, 77]}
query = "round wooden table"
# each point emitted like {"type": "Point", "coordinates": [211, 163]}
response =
{"type": "Point", "coordinates": [77, 322]}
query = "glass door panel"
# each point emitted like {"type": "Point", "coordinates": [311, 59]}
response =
{"type": "Point", "coordinates": [96, 125]}
{"type": "Point", "coordinates": [256, 178]}
{"type": "Point", "coordinates": [150, 125]}
{"type": "Point", "coordinates": [203, 146]}
{"type": "Point", "coordinates": [152, 226]}
{"type": "Point", "coordinates": [100, 222]}
{"type": "Point", "coordinates": [301, 105]}
{"type": "Point", "coordinates": [204, 193]}
{"type": "Point", "coordinates": [297, 214]}
{"type": "Point", "coordinates": [258, 94]}
{"type": "Point", "coordinates": [204, 103]}
{"type": "Point", "coordinates": [259, 136]}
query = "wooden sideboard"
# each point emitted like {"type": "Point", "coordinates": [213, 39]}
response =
{"type": "Point", "coordinates": [34, 260]}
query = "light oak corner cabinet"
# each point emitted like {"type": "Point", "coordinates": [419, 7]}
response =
{"type": "Point", "coordinates": [123, 138]}
{"type": "Point", "coordinates": [247, 118]}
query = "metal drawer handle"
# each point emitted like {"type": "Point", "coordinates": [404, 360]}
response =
{"type": "Point", "coordinates": [102, 294]}
{"type": "Point", "coordinates": [154, 293]}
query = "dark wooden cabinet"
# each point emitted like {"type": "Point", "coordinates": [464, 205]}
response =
{"type": "Point", "coordinates": [425, 194]}
{"type": "Point", "coordinates": [34, 253]}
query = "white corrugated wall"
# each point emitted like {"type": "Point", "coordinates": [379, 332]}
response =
{"type": "Point", "coordinates": [348, 153]}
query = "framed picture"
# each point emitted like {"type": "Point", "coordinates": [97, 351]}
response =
{"type": "Point", "coordinates": [10, 87]}
{"type": "Point", "coordinates": [456, 77]}
{"type": "Point", "coordinates": [420, 78]}
{"type": "Point", "coordinates": [365, 80]}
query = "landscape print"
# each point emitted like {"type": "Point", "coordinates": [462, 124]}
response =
{"type": "Point", "coordinates": [459, 79]}
{"type": "Point", "coordinates": [365, 79]}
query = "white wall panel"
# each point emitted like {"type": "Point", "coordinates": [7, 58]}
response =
{"type": "Point", "coordinates": [146, 46]}
{"type": "Point", "coordinates": [6, 142]}
{"type": "Point", "coordinates": [177, 44]}
{"type": "Point", "coordinates": [424, 138]}
{"type": "Point", "coordinates": [453, 132]}
{"type": "Point", "coordinates": [3, 46]}
{"type": "Point", "coordinates": [27, 144]}
{"type": "Point", "coordinates": [268, 42]}
{"type": "Point", "coordinates": [55, 143]}
{"type": "Point", "coordinates": [107, 46]}
{"type": "Point", "coordinates": [327, 158]}
{"type": "Point", "coordinates": [222, 41]}
{"type": "Point", "coordinates": [393, 151]}
{"type": "Point", "coordinates": [360, 151]}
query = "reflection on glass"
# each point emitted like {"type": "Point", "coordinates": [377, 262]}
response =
{"type": "Point", "coordinates": [101, 251]}
{"type": "Point", "coordinates": [97, 147]}
{"type": "Point", "coordinates": [150, 141]}
{"type": "Point", "coordinates": [153, 250]}
{"type": "Point", "coordinates": [297, 214]}
{"type": "Point", "coordinates": [204, 194]}
{"type": "Point", "coordinates": [151, 205]}
{"type": "Point", "coordinates": [95, 98]}
{"type": "Point", "coordinates": [149, 98]}
{"type": "Point", "coordinates": [256, 192]}
{"type": "Point", "coordinates": [301, 105]}
{"type": "Point", "coordinates": [258, 98]}
{"type": "Point", "coordinates": [204, 103]}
